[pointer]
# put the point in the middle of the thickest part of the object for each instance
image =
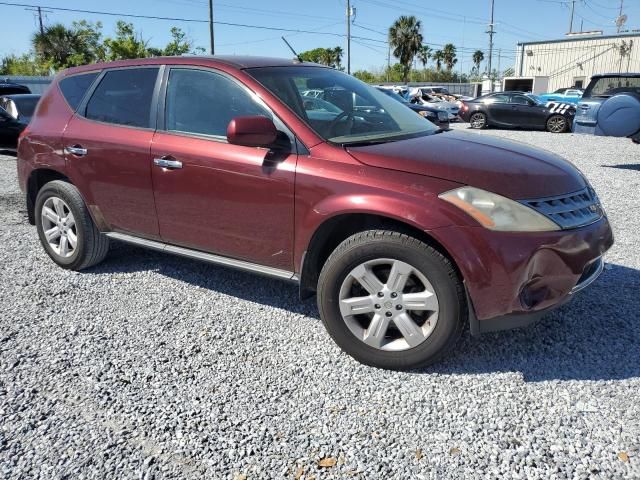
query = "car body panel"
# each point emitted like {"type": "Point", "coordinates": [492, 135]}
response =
{"type": "Point", "coordinates": [451, 156]}
{"type": "Point", "coordinates": [563, 95]}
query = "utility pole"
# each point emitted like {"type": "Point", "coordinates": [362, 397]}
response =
{"type": "Point", "coordinates": [39, 11]}
{"type": "Point", "coordinates": [499, 58]}
{"type": "Point", "coordinates": [491, 31]}
{"type": "Point", "coordinates": [573, 8]}
{"type": "Point", "coordinates": [388, 59]}
{"type": "Point", "coordinates": [349, 37]}
{"type": "Point", "coordinates": [620, 16]}
{"type": "Point", "coordinates": [211, 41]}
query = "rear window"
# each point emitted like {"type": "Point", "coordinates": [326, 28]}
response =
{"type": "Point", "coordinates": [74, 88]}
{"type": "Point", "coordinates": [609, 86]}
{"type": "Point", "coordinates": [124, 97]}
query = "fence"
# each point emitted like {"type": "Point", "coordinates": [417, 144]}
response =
{"type": "Point", "coordinates": [35, 84]}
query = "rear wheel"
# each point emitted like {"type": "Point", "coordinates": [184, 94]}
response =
{"type": "Point", "coordinates": [391, 301]}
{"type": "Point", "coordinates": [478, 120]}
{"type": "Point", "coordinates": [66, 229]}
{"type": "Point", "coordinates": [556, 124]}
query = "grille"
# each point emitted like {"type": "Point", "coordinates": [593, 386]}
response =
{"type": "Point", "coordinates": [569, 211]}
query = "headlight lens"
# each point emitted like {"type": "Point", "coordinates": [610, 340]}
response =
{"type": "Point", "coordinates": [423, 113]}
{"type": "Point", "coordinates": [496, 212]}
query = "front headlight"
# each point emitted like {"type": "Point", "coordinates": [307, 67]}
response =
{"type": "Point", "coordinates": [423, 113]}
{"type": "Point", "coordinates": [496, 212]}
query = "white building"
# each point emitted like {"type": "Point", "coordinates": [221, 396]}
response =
{"type": "Point", "coordinates": [573, 60]}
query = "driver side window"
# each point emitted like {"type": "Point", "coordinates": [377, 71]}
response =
{"type": "Point", "coordinates": [203, 102]}
{"type": "Point", "coordinates": [521, 100]}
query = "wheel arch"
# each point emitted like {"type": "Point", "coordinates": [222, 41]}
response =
{"type": "Point", "coordinates": [338, 228]}
{"type": "Point", "coordinates": [37, 179]}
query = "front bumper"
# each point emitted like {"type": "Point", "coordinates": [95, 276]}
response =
{"type": "Point", "coordinates": [511, 321]}
{"type": "Point", "coordinates": [513, 279]}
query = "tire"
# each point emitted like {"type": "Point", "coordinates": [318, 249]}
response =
{"type": "Point", "coordinates": [60, 206]}
{"type": "Point", "coordinates": [557, 124]}
{"type": "Point", "coordinates": [433, 331]}
{"type": "Point", "coordinates": [478, 120]}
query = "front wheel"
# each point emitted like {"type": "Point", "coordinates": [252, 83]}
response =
{"type": "Point", "coordinates": [390, 300]}
{"type": "Point", "coordinates": [556, 124]}
{"type": "Point", "coordinates": [66, 229]}
{"type": "Point", "coordinates": [478, 120]}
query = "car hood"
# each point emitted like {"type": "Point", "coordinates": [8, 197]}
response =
{"type": "Point", "coordinates": [511, 169]}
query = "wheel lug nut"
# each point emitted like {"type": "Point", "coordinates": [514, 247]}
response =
{"type": "Point", "coordinates": [388, 314]}
{"type": "Point", "coordinates": [380, 294]}
{"type": "Point", "coordinates": [398, 307]}
{"type": "Point", "coordinates": [377, 306]}
{"type": "Point", "coordinates": [394, 294]}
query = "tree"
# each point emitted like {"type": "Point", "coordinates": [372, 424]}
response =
{"type": "Point", "coordinates": [438, 57]}
{"type": "Point", "coordinates": [424, 54]}
{"type": "Point", "coordinates": [365, 76]}
{"type": "Point", "coordinates": [64, 47]}
{"type": "Point", "coordinates": [449, 55]}
{"type": "Point", "coordinates": [126, 44]}
{"type": "Point", "coordinates": [331, 57]}
{"type": "Point", "coordinates": [406, 39]}
{"type": "Point", "coordinates": [478, 57]}
{"type": "Point", "coordinates": [179, 44]}
{"type": "Point", "coordinates": [26, 64]}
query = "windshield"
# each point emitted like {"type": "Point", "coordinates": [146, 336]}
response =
{"type": "Point", "coordinates": [26, 105]}
{"type": "Point", "coordinates": [609, 86]}
{"type": "Point", "coordinates": [364, 114]}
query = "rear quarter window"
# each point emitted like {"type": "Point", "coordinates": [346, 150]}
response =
{"type": "Point", "coordinates": [73, 88]}
{"type": "Point", "coordinates": [123, 97]}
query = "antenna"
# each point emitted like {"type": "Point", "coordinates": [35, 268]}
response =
{"type": "Point", "coordinates": [291, 48]}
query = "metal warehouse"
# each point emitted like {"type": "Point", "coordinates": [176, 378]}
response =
{"type": "Point", "coordinates": [573, 60]}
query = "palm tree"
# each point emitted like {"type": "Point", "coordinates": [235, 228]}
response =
{"type": "Point", "coordinates": [424, 54]}
{"type": "Point", "coordinates": [449, 53]}
{"type": "Point", "coordinates": [438, 57]}
{"type": "Point", "coordinates": [406, 39]}
{"type": "Point", "coordinates": [478, 57]}
{"type": "Point", "coordinates": [56, 43]}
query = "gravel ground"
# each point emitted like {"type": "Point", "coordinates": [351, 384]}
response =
{"type": "Point", "coordinates": [153, 366]}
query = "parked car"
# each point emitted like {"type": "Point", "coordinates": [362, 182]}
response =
{"type": "Point", "coordinates": [405, 232]}
{"type": "Point", "coordinates": [418, 97]}
{"type": "Point", "coordinates": [610, 106]}
{"type": "Point", "coordinates": [8, 88]}
{"type": "Point", "coordinates": [10, 130]}
{"type": "Point", "coordinates": [519, 110]}
{"type": "Point", "coordinates": [20, 106]}
{"type": "Point", "coordinates": [564, 95]}
{"type": "Point", "coordinates": [434, 115]}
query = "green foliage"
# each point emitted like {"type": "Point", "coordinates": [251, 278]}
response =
{"type": "Point", "coordinates": [26, 64]}
{"type": "Point", "coordinates": [179, 44]}
{"type": "Point", "coordinates": [478, 57]}
{"type": "Point", "coordinates": [449, 56]}
{"type": "Point", "coordinates": [438, 57]}
{"type": "Point", "coordinates": [68, 47]}
{"type": "Point", "coordinates": [405, 38]}
{"type": "Point", "coordinates": [126, 43]}
{"type": "Point", "coordinates": [365, 76]}
{"type": "Point", "coordinates": [331, 57]}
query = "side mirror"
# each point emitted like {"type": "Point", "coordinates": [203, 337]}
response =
{"type": "Point", "coordinates": [252, 131]}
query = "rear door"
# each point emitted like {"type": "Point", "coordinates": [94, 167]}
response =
{"type": "Point", "coordinates": [498, 108]}
{"type": "Point", "coordinates": [230, 200]}
{"type": "Point", "coordinates": [107, 147]}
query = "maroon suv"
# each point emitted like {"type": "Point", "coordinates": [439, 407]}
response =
{"type": "Point", "coordinates": [403, 231]}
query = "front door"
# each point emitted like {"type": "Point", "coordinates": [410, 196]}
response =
{"type": "Point", "coordinates": [108, 150]}
{"type": "Point", "coordinates": [225, 199]}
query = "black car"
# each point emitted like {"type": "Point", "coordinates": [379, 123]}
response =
{"type": "Point", "coordinates": [439, 118]}
{"type": "Point", "coordinates": [8, 88]}
{"type": "Point", "coordinates": [517, 109]}
{"type": "Point", "coordinates": [15, 113]}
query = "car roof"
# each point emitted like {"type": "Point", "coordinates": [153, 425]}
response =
{"type": "Point", "coordinates": [234, 61]}
{"type": "Point", "coordinates": [18, 96]}
{"type": "Point", "coordinates": [618, 75]}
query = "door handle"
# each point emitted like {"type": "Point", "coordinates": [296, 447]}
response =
{"type": "Point", "coordinates": [167, 163]}
{"type": "Point", "coordinates": [76, 150]}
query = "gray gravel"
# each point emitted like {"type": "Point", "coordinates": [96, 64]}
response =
{"type": "Point", "coordinates": [152, 366]}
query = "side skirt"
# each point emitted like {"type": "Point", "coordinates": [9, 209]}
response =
{"type": "Point", "coordinates": [204, 256]}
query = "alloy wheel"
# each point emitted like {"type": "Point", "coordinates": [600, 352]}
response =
{"type": "Point", "coordinates": [557, 124]}
{"type": "Point", "coordinates": [388, 304]}
{"type": "Point", "coordinates": [477, 120]}
{"type": "Point", "coordinates": [59, 227]}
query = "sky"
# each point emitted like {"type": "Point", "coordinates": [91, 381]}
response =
{"type": "Point", "coordinates": [461, 22]}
